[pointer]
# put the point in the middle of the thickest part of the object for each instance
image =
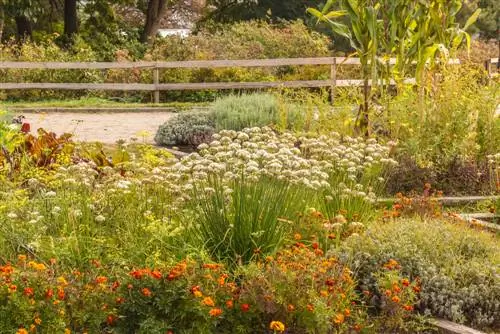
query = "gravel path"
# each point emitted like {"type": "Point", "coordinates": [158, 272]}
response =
{"type": "Point", "coordinates": [104, 127]}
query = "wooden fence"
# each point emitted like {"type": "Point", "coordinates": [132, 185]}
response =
{"type": "Point", "coordinates": [156, 86]}
{"type": "Point", "coordinates": [488, 65]}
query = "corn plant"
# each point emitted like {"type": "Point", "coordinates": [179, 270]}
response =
{"type": "Point", "coordinates": [412, 30]}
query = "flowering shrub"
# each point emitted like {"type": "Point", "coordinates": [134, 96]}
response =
{"type": "Point", "coordinates": [247, 184]}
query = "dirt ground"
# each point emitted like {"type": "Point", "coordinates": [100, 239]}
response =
{"type": "Point", "coordinates": [103, 127]}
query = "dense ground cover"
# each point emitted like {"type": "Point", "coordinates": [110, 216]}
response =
{"type": "Point", "coordinates": [257, 231]}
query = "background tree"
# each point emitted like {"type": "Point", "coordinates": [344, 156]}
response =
{"type": "Point", "coordinates": [70, 18]}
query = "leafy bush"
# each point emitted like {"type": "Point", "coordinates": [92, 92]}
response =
{"type": "Point", "coordinates": [186, 128]}
{"type": "Point", "coordinates": [457, 266]}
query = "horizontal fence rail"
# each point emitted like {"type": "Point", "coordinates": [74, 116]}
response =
{"type": "Point", "coordinates": [156, 66]}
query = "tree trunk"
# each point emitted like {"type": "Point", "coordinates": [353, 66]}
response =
{"type": "Point", "coordinates": [2, 21]}
{"type": "Point", "coordinates": [155, 12]}
{"type": "Point", "coordinates": [70, 18]}
{"type": "Point", "coordinates": [24, 29]}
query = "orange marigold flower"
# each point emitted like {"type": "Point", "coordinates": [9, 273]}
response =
{"type": "Point", "coordinates": [101, 280]}
{"type": "Point", "coordinates": [347, 312]}
{"type": "Point", "coordinates": [222, 279]}
{"type": "Point", "coordinates": [388, 293]}
{"type": "Point", "coordinates": [396, 288]}
{"type": "Point", "coordinates": [215, 312]}
{"type": "Point", "coordinates": [146, 292]}
{"type": "Point", "coordinates": [405, 282]}
{"type": "Point", "coordinates": [277, 326]}
{"type": "Point", "coordinates": [290, 308]}
{"type": "Point", "coordinates": [339, 318]}
{"type": "Point", "coordinates": [297, 236]}
{"type": "Point", "coordinates": [245, 307]}
{"type": "Point", "coordinates": [198, 294]}
{"type": "Point", "coordinates": [28, 292]}
{"type": "Point", "coordinates": [120, 300]}
{"type": "Point", "coordinates": [416, 289]}
{"type": "Point", "coordinates": [49, 293]}
{"type": "Point", "coordinates": [396, 299]}
{"type": "Point", "coordinates": [229, 303]}
{"type": "Point", "coordinates": [310, 307]}
{"type": "Point", "coordinates": [208, 301]}
{"type": "Point", "coordinates": [331, 236]}
{"type": "Point", "coordinates": [38, 321]}
{"type": "Point", "coordinates": [212, 266]}
{"type": "Point", "coordinates": [269, 259]}
{"type": "Point", "coordinates": [22, 331]}
{"type": "Point", "coordinates": [22, 258]}
{"type": "Point", "coordinates": [12, 288]}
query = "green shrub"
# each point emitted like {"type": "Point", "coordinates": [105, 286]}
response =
{"type": "Point", "coordinates": [245, 111]}
{"type": "Point", "coordinates": [457, 266]}
{"type": "Point", "coordinates": [189, 128]}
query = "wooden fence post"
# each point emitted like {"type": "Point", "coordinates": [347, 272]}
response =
{"type": "Point", "coordinates": [156, 82]}
{"type": "Point", "coordinates": [333, 78]}
{"type": "Point", "coordinates": [487, 67]}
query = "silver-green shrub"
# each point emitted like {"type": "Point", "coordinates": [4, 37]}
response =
{"type": "Point", "coordinates": [189, 128]}
{"type": "Point", "coordinates": [458, 267]}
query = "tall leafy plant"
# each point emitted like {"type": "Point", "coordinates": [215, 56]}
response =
{"type": "Point", "coordinates": [414, 31]}
{"type": "Point", "coordinates": [362, 33]}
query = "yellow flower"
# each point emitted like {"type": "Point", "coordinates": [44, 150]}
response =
{"type": "Point", "coordinates": [67, 331]}
{"type": "Point", "coordinates": [38, 321]}
{"type": "Point", "coordinates": [277, 326]}
{"type": "Point", "coordinates": [62, 281]}
{"type": "Point", "coordinates": [198, 294]}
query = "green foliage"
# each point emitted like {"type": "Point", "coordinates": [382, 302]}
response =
{"type": "Point", "coordinates": [245, 111]}
{"type": "Point", "coordinates": [186, 128]}
{"type": "Point", "coordinates": [457, 267]}
{"type": "Point", "coordinates": [245, 221]}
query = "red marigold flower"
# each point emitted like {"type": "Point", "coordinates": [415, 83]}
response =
{"type": "Point", "coordinates": [215, 312]}
{"type": "Point", "coordinates": [12, 288]}
{"type": "Point", "coordinates": [110, 320]}
{"type": "Point", "coordinates": [120, 300]}
{"type": "Point", "coordinates": [115, 285]}
{"type": "Point", "coordinates": [416, 289]}
{"type": "Point", "coordinates": [60, 294]}
{"type": "Point", "coordinates": [29, 292]}
{"type": "Point", "coordinates": [408, 307]}
{"type": "Point", "coordinates": [245, 307]}
{"type": "Point", "coordinates": [405, 282]}
{"type": "Point", "coordinates": [146, 292]}
{"type": "Point", "coordinates": [49, 293]}
{"type": "Point", "coordinates": [290, 308]}
{"type": "Point", "coordinates": [229, 303]}
{"type": "Point", "coordinates": [315, 245]}
{"type": "Point", "coordinates": [156, 274]}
